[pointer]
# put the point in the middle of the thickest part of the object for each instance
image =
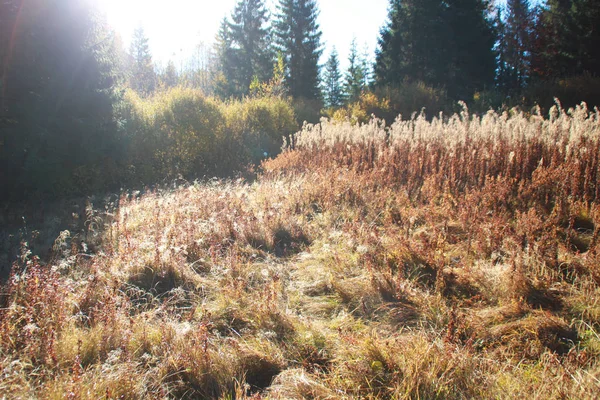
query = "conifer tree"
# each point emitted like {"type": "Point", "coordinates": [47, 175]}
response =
{"type": "Point", "coordinates": [445, 44]}
{"type": "Point", "coordinates": [585, 24]}
{"type": "Point", "coordinates": [225, 81]}
{"type": "Point", "coordinates": [355, 75]}
{"type": "Point", "coordinates": [143, 77]}
{"type": "Point", "coordinates": [298, 37]}
{"type": "Point", "coordinates": [551, 39]}
{"type": "Point", "coordinates": [333, 94]}
{"type": "Point", "coordinates": [515, 37]}
{"type": "Point", "coordinates": [170, 77]}
{"type": "Point", "coordinates": [250, 45]}
{"type": "Point", "coordinates": [275, 87]}
{"type": "Point", "coordinates": [366, 68]}
{"type": "Point", "coordinates": [567, 38]}
{"type": "Point", "coordinates": [468, 64]}
{"type": "Point", "coordinates": [411, 44]}
{"type": "Point", "coordinates": [58, 86]}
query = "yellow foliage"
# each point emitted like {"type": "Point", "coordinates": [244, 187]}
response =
{"type": "Point", "coordinates": [181, 132]}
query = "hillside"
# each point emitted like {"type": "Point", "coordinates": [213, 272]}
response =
{"type": "Point", "coordinates": [453, 258]}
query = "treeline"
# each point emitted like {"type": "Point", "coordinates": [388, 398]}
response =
{"type": "Point", "coordinates": [491, 55]}
{"type": "Point", "coordinates": [431, 53]}
{"type": "Point", "coordinates": [78, 113]}
{"type": "Point", "coordinates": [259, 53]}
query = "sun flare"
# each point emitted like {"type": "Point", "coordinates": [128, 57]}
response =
{"type": "Point", "coordinates": [173, 28]}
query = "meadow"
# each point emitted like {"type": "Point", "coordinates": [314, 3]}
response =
{"type": "Point", "coordinates": [447, 258]}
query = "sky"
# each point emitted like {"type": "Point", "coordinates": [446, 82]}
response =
{"type": "Point", "coordinates": [175, 27]}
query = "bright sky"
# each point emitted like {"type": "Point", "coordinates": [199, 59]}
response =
{"type": "Point", "coordinates": [174, 27]}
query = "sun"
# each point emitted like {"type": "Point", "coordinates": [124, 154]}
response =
{"type": "Point", "coordinates": [173, 28]}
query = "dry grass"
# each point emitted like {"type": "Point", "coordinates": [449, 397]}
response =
{"type": "Point", "coordinates": [444, 259]}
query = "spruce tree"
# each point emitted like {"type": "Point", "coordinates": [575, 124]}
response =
{"type": "Point", "coordinates": [225, 78]}
{"type": "Point", "coordinates": [515, 36]}
{"type": "Point", "coordinates": [468, 64]}
{"type": "Point", "coordinates": [445, 44]}
{"type": "Point", "coordinates": [551, 39]}
{"type": "Point", "coordinates": [567, 38]}
{"type": "Point", "coordinates": [355, 75]}
{"type": "Point", "coordinates": [585, 23]}
{"type": "Point", "coordinates": [143, 77]}
{"type": "Point", "coordinates": [59, 85]}
{"type": "Point", "coordinates": [366, 68]}
{"type": "Point", "coordinates": [250, 45]}
{"type": "Point", "coordinates": [333, 94]}
{"type": "Point", "coordinates": [298, 37]}
{"type": "Point", "coordinates": [170, 77]}
{"type": "Point", "coordinates": [411, 45]}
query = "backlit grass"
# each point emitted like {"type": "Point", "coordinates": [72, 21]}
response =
{"type": "Point", "coordinates": [456, 258]}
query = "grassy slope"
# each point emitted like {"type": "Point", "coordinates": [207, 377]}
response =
{"type": "Point", "coordinates": [430, 260]}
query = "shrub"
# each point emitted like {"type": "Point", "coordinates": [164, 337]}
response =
{"type": "Point", "coordinates": [307, 110]}
{"type": "Point", "coordinates": [388, 102]}
{"type": "Point", "coordinates": [257, 125]}
{"type": "Point", "coordinates": [182, 133]}
{"type": "Point", "coordinates": [571, 91]}
{"type": "Point", "coordinates": [171, 133]}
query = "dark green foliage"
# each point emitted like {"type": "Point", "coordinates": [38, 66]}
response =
{"type": "Point", "coordinates": [469, 59]}
{"type": "Point", "coordinates": [243, 49]}
{"type": "Point", "coordinates": [565, 62]}
{"type": "Point", "coordinates": [356, 75]}
{"type": "Point", "coordinates": [332, 90]}
{"type": "Point", "coordinates": [58, 88]}
{"type": "Point", "coordinates": [406, 99]}
{"type": "Point", "coordinates": [397, 56]}
{"type": "Point", "coordinates": [250, 37]}
{"type": "Point", "coordinates": [567, 39]}
{"type": "Point", "coordinates": [298, 37]}
{"type": "Point", "coordinates": [515, 46]}
{"type": "Point", "coordinates": [570, 91]}
{"type": "Point", "coordinates": [445, 44]}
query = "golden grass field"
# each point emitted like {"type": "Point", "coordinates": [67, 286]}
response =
{"type": "Point", "coordinates": [455, 258]}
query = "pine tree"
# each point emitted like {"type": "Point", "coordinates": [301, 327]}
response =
{"type": "Point", "coordinates": [355, 75]}
{"type": "Point", "coordinates": [515, 35]}
{"type": "Point", "coordinates": [250, 45]}
{"type": "Point", "coordinates": [143, 77]}
{"type": "Point", "coordinates": [299, 39]}
{"type": "Point", "coordinates": [333, 94]}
